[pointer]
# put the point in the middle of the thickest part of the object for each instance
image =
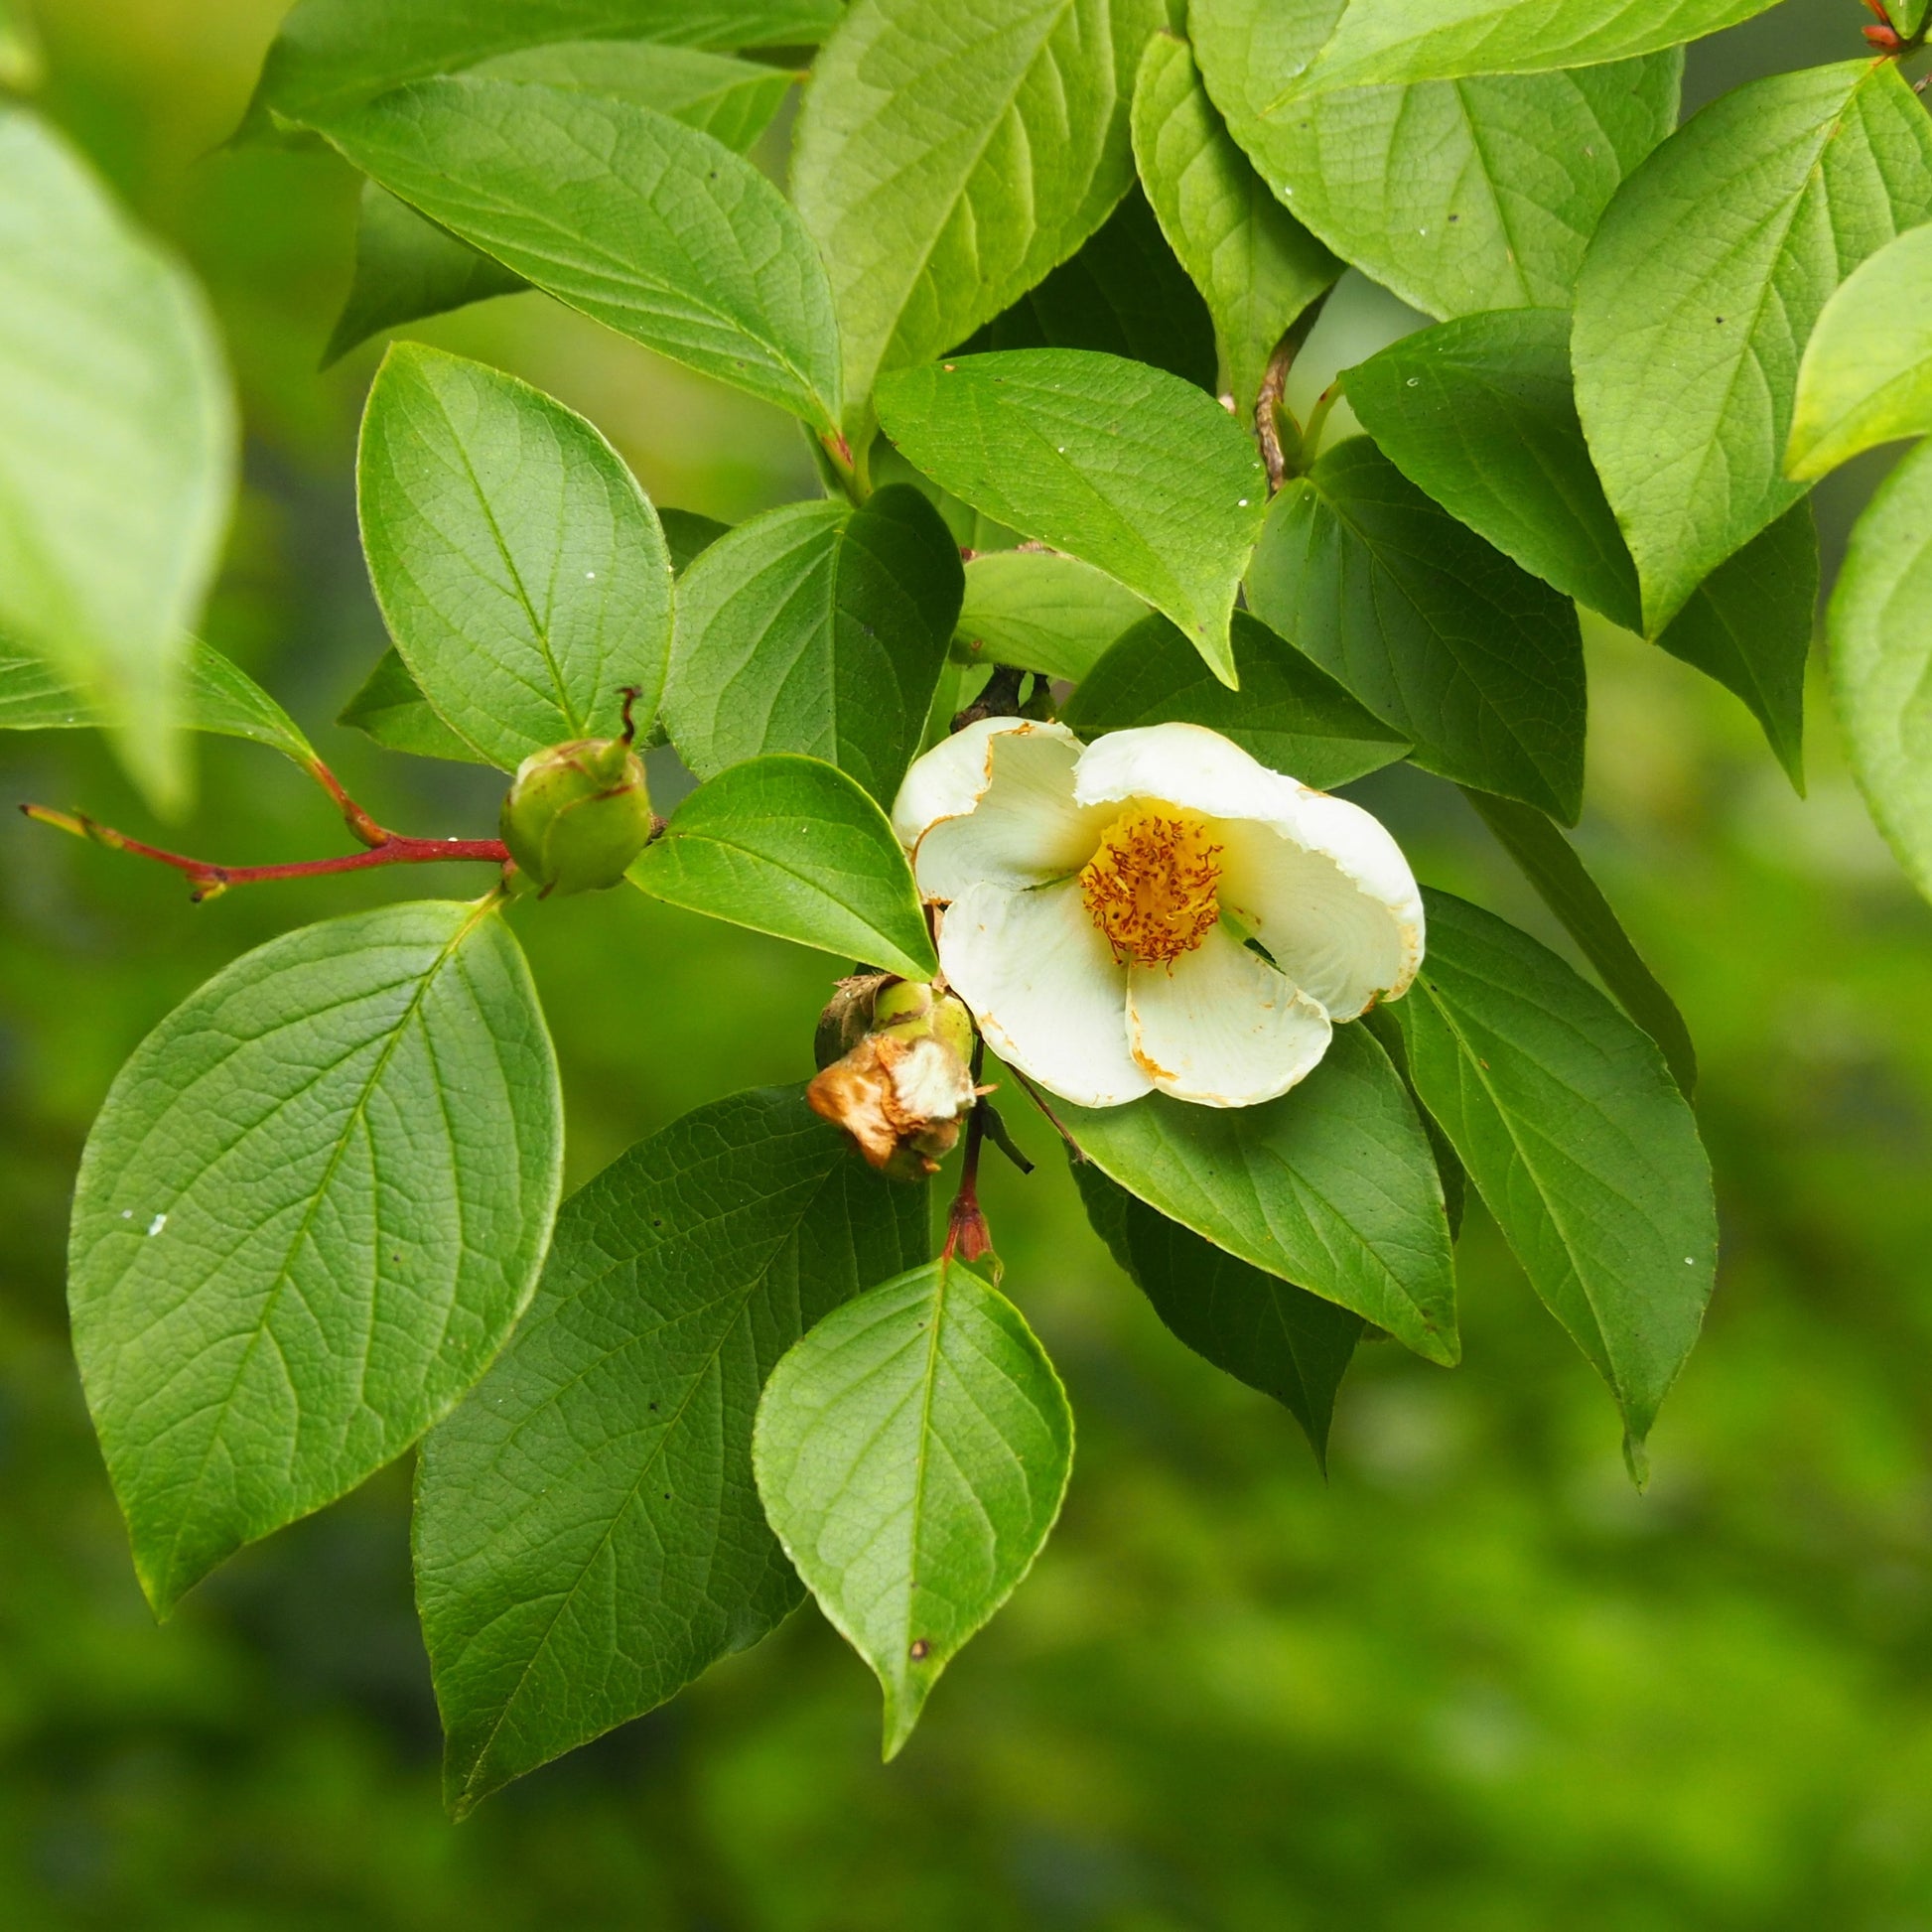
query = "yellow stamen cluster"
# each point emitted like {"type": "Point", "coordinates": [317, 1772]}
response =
{"type": "Point", "coordinates": [1151, 888]}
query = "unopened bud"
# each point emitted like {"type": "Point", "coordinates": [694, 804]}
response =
{"type": "Point", "coordinates": [905, 1090]}
{"type": "Point", "coordinates": [578, 814]}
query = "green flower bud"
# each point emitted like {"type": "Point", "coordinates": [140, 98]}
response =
{"type": "Point", "coordinates": [577, 814]}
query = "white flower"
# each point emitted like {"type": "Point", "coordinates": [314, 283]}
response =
{"type": "Point", "coordinates": [1100, 901]}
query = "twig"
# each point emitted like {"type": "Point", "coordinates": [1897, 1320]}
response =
{"type": "Point", "coordinates": [999, 698]}
{"type": "Point", "coordinates": [967, 1235]}
{"type": "Point", "coordinates": [210, 881]}
{"type": "Point", "coordinates": [1053, 1119]}
{"type": "Point", "coordinates": [1274, 385]}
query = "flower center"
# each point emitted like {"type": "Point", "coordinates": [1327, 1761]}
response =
{"type": "Point", "coordinates": [1151, 888]}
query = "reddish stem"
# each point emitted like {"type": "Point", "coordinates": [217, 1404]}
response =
{"type": "Point", "coordinates": [208, 880]}
{"type": "Point", "coordinates": [967, 1235]}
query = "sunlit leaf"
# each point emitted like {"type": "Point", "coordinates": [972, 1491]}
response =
{"type": "Point", "coordinates": [912, 1453]}
{"type": "Point", "coordinates": [1041, 612]}
{"type": "Point", "coordinates": [792, 846]}
{"type": "Point", "coordinates": [312, 1209]}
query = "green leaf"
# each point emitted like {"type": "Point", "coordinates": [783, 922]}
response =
{"type": "Point", "coordinates": [1123, 294]}
{"type": "Point", "coordinates": [23, 66]}
{"type": "Point", "coordinates": [519, 568]}
{"type": "Point", "coordinates": [332, 55]}
{"type": "Point", "coordinates": [1910, 16]}
{"type": "Point", "coordinates": [792, 846]}
{"type": "Point", "coordinates": [588, 1535]}
{"type": "Point", "coordinates": [312, 1209]}
{"type": "Point", "coordinates": [1263, 1330]}
{"type": "Point", "coordinates": [1880, 630]}
{"type": "Point", "coordinates": [1701, 288]}
{"type": "Point", "coordinates": [1127, 467]}
{"type": "Point", "coordinates": [819, 629]}
{"type": "Point", "coordinates": [640, 223]}
{"type": "Point", "coordinates": [219, 697]}
{"type": "Point", "coordinates": [1867, 376]}
{"type": "Point", "coordinates": [1041, 612]}
{"type": "Point", "coordinates": [688, 535]}
{"type": "Point", "coordinates": [1291, 716]}
{"type": "Point", "coordinates": [1256, 266]}
{"type": "Point", "coordinates": [946, 161]}
{"type": "Point", "coordinates": [406, 267]}
{"type": "Point", "coordinates": [1750, 626]}
{"type": "Point", "coordinates": [1331, 1187]}
{"type": "Point", "coordinates": [1579, 1141]}
{"type": "Point", "coordinates": [1480, 414]}
{"type": "Point", "coordinates": [1458, 194]}
{"type": "Point", "coordinates": [1550, 863]}
{"type": "Point", "coordinates": [1378, 41]}
{"type": "Point", "coordinates": [912, 1453]}
{"type": "Point", "coordinates": [117, 449]}
{"type": "Point", "coordinates": [391, 709]}
{"type": "Point", "coordinates": [1479, 665]}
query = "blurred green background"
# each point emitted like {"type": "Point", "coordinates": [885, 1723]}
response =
{"type": "Point", "coordinates": [1473, 1683]}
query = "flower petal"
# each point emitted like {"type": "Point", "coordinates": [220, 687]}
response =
{"type": "Point", "coordinates": [1224, 1028]}
{"type": "Point", "coordinates": [995, 802]}
{"type": "Point", "coordinates": [1044, 988]}
{"type": "Point", "coordinates": [1319, 882]}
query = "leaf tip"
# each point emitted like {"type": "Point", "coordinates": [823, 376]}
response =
{"type": "Point", "coordinates": [1636, 1460]}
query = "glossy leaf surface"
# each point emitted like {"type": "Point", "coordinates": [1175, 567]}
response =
{"type": "Point", "coordinates": [1458, 195]}
{"type": "Point", "coordinates": [948, 157]}
{"type": "Point", "coordinates": [911, 1452]}
{"type": "Point", "coordinates": [1263, 1330]}
{"type": "Point", "coordinates": [1579, 1141]}
{"type": "Point", "coordinates": [640, 223]}
{"type": "Point", "coordinates": [1288, 712]}
{"type": "Point", "coordinates": [1479, 664]}
{"type": "Point", "coordinates": [1702, 286]}
{"type": "Point", "coordinates": [817, 628]}
{"type": "Point", "coordinates": [792, 846]}
{"type": "Point", "coordinates": [1257, 267]}
{"type": "Point", "coordinates": [520, 569]}
{"type": "Point", "coordinates": [1126, 467]}
{"type": "Point", "coordinates": [588, 1536]}
{"type": "Point", "coordinates": [1332, 1186]}
{"type": "Point", "coordinates": [312, 1209]}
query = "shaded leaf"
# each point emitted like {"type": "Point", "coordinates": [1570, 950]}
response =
{"type": "Point", "coordinates": [912, 1453]}
{"type": "Point", "coordinates": [1290, 714]}
{"type": "Point", "coordinates": [1041, 612]}
{"type": "Point", "coordinates": [1481, 413]}
{"type": "Point", "coordinates": [1579, 1141]}
{"type": "Point", "coordinates": [1126, 467]}
{"type": "Point", "coordinates": [1750, 626]}
{"type": "Point", "coordinates": [332, 55]}
{"type": "Point", "coordinates": [947, 159]}
{"type": "Point", "coordinates": [792, 846]}
{"type": "Point", "coordinates": [1458, 194]}
{"type": "Point", "coordinates": [1123, 294]}
{"type": "Point", "coordinates": [588, 1536]}
{"type": "Point", "coordinates": [117, 449]}
{"type": "Point", "coordinates": [1880, 630]}
{"type": "Point", "coordinates": [1263, 1330]}
{"type": "Point", "coordinates": [391, 709]}
{"type": "Point", "coordinates": [1477, 663]}
{"type": "Point", "coordinates": [312, 1209]}
{"type": "Point", "coordinates": [519, 568]}
{"type": "Point", "coordinates": [819, 629]}
{"type": "Point", "coordinates": [1700, 290]}
{"type": "Point", "coordinates": [1256, 266]}
{"type": "Point", "coordinates": [1550, 863]}
{"type": "Point", "coordinates": [640, 223]}
{"type": "Point", "coordinates": [1331, 1187]}
{"type": "Point", "coordinates": [1867, 375]}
